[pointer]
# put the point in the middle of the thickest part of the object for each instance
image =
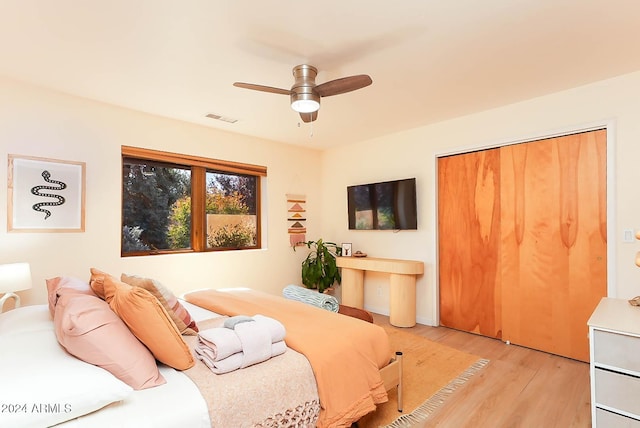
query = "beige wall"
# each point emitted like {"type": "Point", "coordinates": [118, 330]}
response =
{"type": "Point", "coordinates": [412, 153]}
{"type": "Point", "coordinates": [37, 122]}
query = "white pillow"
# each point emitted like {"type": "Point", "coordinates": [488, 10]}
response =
{"type": "Point", "coordinates": [42, 385]}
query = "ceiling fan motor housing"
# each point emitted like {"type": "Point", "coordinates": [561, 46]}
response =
{"type": "Point", "coordinates": [305, 94]}
{"type": "Point", "coordinates": [303, 97]}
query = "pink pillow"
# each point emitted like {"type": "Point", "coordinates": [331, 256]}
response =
{"type": "Point", "coordinates": [65, 284]}
{"type": "Point", "coordinates": [88, 329]}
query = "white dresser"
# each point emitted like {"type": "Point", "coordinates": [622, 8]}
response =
{"type": "Point", "coordinates": [614, 337]}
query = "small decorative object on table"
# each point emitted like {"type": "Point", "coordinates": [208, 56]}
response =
{"type": "Point", "coordinates": [346, 249]}
{"type": "Point", "coordinates": [359, 254]}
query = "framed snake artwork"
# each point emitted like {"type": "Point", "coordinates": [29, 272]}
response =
{"type": "Point", "coordinates": [45, 195]}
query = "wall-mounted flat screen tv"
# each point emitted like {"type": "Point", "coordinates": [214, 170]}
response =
{"type": "Point", "coordinates": [387, 205]}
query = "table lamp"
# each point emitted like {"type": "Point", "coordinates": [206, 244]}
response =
{"type": "Point", "coordinates": [14, 277]}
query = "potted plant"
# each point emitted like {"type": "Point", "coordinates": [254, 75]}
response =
{"type": "Point", "coordinates": [319, 269]}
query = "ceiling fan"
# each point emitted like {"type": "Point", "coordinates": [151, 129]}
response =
{"type": "Point", "coordinates": [305, 94]}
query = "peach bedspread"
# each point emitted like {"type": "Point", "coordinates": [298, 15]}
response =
{"type": "Point", "coordinates": [345, 353]}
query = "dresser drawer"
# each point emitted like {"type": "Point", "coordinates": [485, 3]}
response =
{"type": "Point", "coordinates": [617, 391]}
{"type": "Point", "coordinates": [607, 419]}
{"type": "Point", "coordinates": [616, 350]}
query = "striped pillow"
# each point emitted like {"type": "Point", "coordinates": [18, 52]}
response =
{"type": "Point", "coordinates": [311, 297]}
{"type": "Point", "coordinates": [168, 300]}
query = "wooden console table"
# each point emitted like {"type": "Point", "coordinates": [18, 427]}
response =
{"type": "Point", "coordinates": [402, 291]}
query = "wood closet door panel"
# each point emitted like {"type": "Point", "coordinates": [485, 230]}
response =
{"type": "Point", "coordinates": [469, 242]}
{"type": "Point", "coordinates": [554, 244]}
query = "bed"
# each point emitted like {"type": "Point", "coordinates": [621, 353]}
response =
{"type": "Point", "coordinates": [43, 385]}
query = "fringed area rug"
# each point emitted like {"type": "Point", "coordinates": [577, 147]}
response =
{"type": "Point", "coordinates": [431, 373]}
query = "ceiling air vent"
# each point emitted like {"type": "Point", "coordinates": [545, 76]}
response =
{"type": "Point", "coordinates": [222, 118]}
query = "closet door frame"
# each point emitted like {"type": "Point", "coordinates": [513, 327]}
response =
{"type": "Point", "coordinates": [609, 126]}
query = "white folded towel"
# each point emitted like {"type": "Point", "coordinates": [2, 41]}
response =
{"type": "Point", "coordinates": [235, 361]}
{"type": "Point", "coordinates": [222, 342]}
{"type": "Point", "coordinates": [250, 341]}
{"type": "Point", "coordinates": [256, 342]}
{"type": "Point", "coordinates": [275, 327]}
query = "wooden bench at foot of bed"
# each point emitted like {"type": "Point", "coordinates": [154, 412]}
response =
{"type": "Point", "coordinates": [391, 374]}
{"type": "Point", "coordinates": [392, 377]}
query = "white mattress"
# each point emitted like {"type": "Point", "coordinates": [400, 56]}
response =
{"type": "Point", "coordinates": [198, 313]}
{"type": "Point", "coordinates": [177, 403]}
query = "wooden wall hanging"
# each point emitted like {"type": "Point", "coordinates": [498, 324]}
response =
{"type": "Point", "coordinates": [296, 216]}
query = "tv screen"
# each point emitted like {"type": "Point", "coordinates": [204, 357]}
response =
{"type": "Point", "coordinates": [387, 205]}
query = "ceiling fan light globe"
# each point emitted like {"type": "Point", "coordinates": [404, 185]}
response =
{"type": "Point", "coordinates": [305, 106]}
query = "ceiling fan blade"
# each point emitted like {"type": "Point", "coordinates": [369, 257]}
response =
{"type": "Point", "coordinates": [262, 88]}
{"type": "Point", "coordinates": [343, 85]}
{"type": "Point", "coordinates": [309, 117]}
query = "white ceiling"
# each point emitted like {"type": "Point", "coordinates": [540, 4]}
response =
{"type": "Point", "coordinates": [430, 60]}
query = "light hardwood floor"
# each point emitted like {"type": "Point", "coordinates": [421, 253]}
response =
{"type": "Point", "coordinates": [520, 387]}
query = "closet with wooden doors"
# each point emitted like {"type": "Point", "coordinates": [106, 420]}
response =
{"type": "Point", "coordinates": [522, 241]}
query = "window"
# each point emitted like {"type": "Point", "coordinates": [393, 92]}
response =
{"type": "Point", "coordinates": [179, 203]}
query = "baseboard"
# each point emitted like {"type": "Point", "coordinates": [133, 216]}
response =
{"type": "Point", "coordinates": [385, 311]}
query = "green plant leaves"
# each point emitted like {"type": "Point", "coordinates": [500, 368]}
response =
{"type": "Point", "coordinates": [319, 268]}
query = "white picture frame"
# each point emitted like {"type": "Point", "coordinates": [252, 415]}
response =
{"type": "Point", "coordinates": [346, 249]}
{"type": "Point", "coordinates": [45, 195]}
